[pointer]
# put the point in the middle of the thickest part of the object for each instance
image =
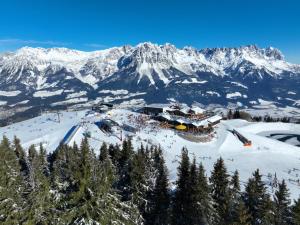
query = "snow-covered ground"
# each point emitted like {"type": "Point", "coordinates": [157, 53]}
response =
{"type": "Point", "coordinates": [235, 95]}
{"type": "Point", "coordinates": [3, 103]}
{"type": "Point", "coordinates": [274, 111]}
{"type": "Point", "coordinates": [269, 155]}
{"type": "Point", "coordinates": [284, 136]}
{"type": "Point", "coordinates": [47, 93]}
{"type": "Point", "coordinates": [72, 100]}
{"type": "Point", "coordinates": [9, 93]}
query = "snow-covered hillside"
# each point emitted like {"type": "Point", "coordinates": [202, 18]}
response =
{"type": "Point", "coordinates": [269, 155]}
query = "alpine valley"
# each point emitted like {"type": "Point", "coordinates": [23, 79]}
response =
{"type": "Point", "coordinates": [246, 76]}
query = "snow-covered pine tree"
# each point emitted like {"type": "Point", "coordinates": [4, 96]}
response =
{"type": "Point", "coordinates": [24, 165]}
{"type": "Point", "coordinates": [138, 181]}
{"type": "Point", "coordinates": [220, 191]}
{"type": "Point", "coordinates": [91, 199]}
{"type": "Point", "coordinates": [38, 201]}
{"type": "Point", "coordinates": [205, 203]}
{"type": "Point", "coordinates": [242, 216]}
{"type": "Point", "coordinates": [114, 152]}
{"type": "Point", "coordinates": [282, 210]}
{"type": "Point", "coordinates": [194, 214]}
{"type": "Point", "coordinates": [123, 183]}
{"type": "Point", "coordinates": [10, 185]}
{"type": "Point", "coordinates": [63, 167]}
{"type": "Point", "coordinates": [20, 153]}
{"type": "Point", "coordinates": [235, 193]}
{"type": "Point", "coordinates": [103, 152]}
{"type": "Point", "coordinates": [160, 198]}
{"type": "Point", "coordinates": [181, 196]}
{"type": "Point", "coordinates": [296, 212]}
{"type": "Point", "coordinates": [235, 183]}
{"type": "Point", "coordinates": [258, 201]}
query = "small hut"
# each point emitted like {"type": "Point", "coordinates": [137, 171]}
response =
{"type": "Point", "coordinates": [214, 120]}
{"type": "Point", "coordinates": [154, 109]}
{"type": "Point", "coordinates": [102, 107]}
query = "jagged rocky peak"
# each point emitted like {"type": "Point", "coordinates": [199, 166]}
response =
{"type": "Point", "coordinates": [269, 52]}
{"type": "Point", "coordinates": [190, 50]}
{"type": "Point", "coordinates": [39, 52]}
{"type": "Point", "coordinates": [274, 53]}
{"type": "Point", "coordinates": [250, 50]}
{"type": "Point", "coordinates": [51, 54]}
{"type": "Point", "coordinates": [152, 53]}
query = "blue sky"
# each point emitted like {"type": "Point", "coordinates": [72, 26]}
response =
{"type": "Point", "coordinates": [91, 24]}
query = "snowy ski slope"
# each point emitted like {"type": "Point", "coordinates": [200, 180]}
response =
{"type": "Point", "coordinates": [269, 155]}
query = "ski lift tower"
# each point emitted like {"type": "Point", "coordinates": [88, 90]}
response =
{"type": "Point", "coordinates": [58, 116]}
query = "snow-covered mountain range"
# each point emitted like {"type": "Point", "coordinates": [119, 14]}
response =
{"type": "Point", "coordinates": [244, 76]}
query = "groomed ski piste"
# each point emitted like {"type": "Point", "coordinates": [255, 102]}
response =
{"type": "Point", "coordinates": [271, 156]}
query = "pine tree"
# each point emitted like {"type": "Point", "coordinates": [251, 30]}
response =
{"type": "Point", "coordinates": [137, 181]}
{"type": "Point", "coordinates": [126, 152]}
{"type": "Point", "coordinates": [220, 191]}
{"type": "Point", "coordinates": [282, 205]}
{"type": "Point", "coordinates": [160, 210]}
{"type": "Point", "coordinates": [193, 213]}
{"type": "Point", "coordinates": [182, 197]}
{"type": "Point", "coordinates": [103, 152]}
{"type": "Point", "coordinates": [123, 184]}
{"type": "Point", "coordinates": [39, 199]}
{"type": "Point", "coordinates": [20, 153]}
{"type": "Point", "coordinates": [10, 185]}
{"type": "Point", "coordinates": [235, 193]}
{"type": "Point", "coordinates": [63, 166]}
{"type": "Point", "coordinates": [32, 159]}
{"type": "Point", "coordinates": [18, 148]}
{"type": "Point", "coordinates": [258, 201]}
{"type": "Point", "coordinates": [43, 161]}
{"type": "Point", "coordinates": [200, 209]}
{"type": "Point", "coordinates": [24, 166]}
{"type": "Point", "coordinates": [91, 200]}
{"type": "Point", "coordinates": [235, 183]}
{"type": "Point", "coordinates": [239, 213]}
{"type": "Point", "coordinates": [242, 215]}
{"type": "Point", "coordinates": [114, 153]}
{"type": "Point", "coordinates": [296, 213]}
{"type": "Point", "coordinates": [229, 114]}
{"type": "Point", "coordinates": [268, 210]}
{"type": "Point", "coordinates": [208, 213]}
{"type": "Point", "coordinates": [236, 114]}
{"type": "Point", "coordinates": [85, 167]}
